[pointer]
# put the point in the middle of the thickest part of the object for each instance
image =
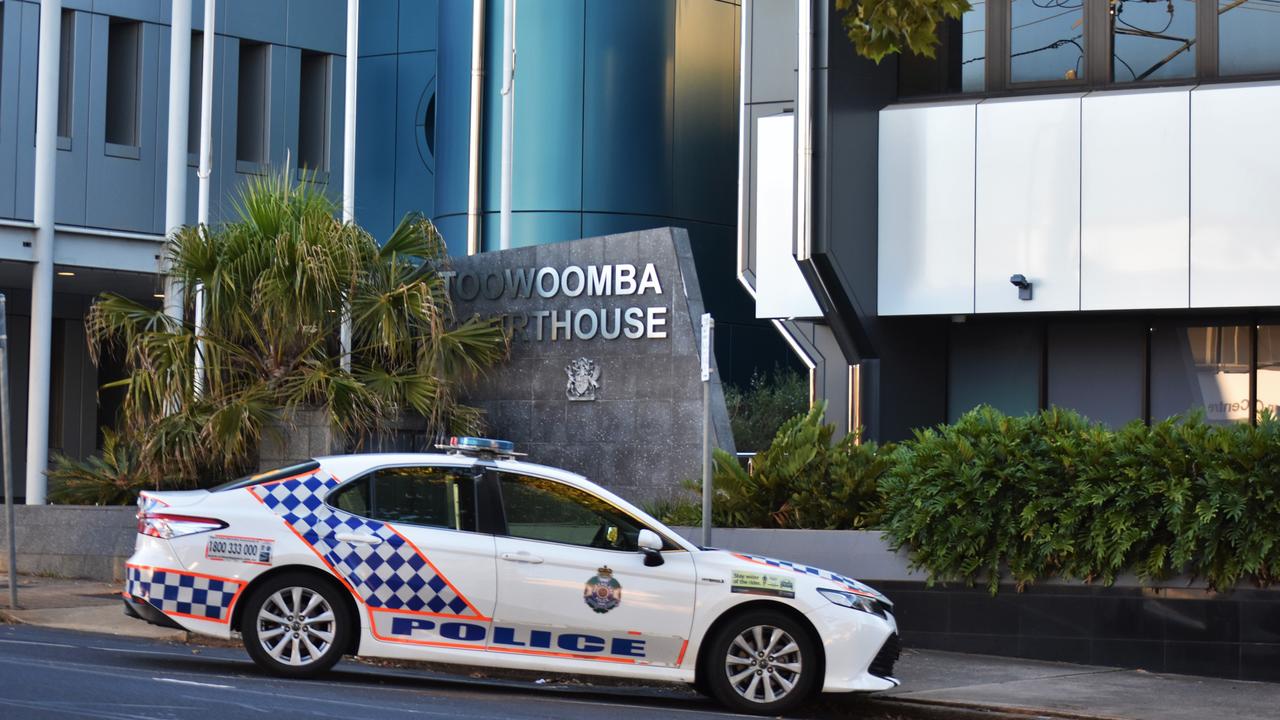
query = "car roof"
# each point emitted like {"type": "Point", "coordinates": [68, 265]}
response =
{"type": "Point", "coordinates": [344, 466]}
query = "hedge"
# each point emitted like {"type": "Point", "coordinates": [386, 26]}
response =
{"type": "Point", "coordinates": [1033, 497]}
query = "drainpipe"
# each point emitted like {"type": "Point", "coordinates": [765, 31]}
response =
{"type": "Point", "coordinates": [477, 96]}
{"type": "Point", "coordinates": [42, 270]}
{"type": "Point", "coordinates": [508, 118]}
{"type": "Point", "coordinates": [206, 168]}
{"type": "Point", "coordinates": [349, 158]}
{"type": "Point", "coordinates": [175, 191]}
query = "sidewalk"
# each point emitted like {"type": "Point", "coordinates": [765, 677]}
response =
{"type": "Point", "coordinates": [934, 683]}
{"type": "Point", "coordinates": [86, 605]}
{"type": "Point", "coordinates": [1032, 688]}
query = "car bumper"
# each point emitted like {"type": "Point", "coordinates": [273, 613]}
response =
{"type": "Point", "coordinates": [140, 609]}
{"type": "Point", "coordinates": [860, 649]}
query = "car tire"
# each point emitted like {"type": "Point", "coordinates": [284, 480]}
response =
{"type": "Point", "coordinates": [295, 625]}
{"type": "Point", "coordinates": [762, 662]}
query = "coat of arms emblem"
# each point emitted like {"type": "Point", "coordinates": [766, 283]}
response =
{"type": "Point", "coordinates": [602, 592]}
{"type": "Point", "coordinates": [584, 379]}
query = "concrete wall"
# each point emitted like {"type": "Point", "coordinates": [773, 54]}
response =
{"type": "Point", "coordinates": [75, 541]}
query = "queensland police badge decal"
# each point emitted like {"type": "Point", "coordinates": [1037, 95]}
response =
{"type": "Point", "coordinates": [602, 592]}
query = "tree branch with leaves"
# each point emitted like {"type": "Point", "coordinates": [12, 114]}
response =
{"type": "Point", "coordinates": [883, 27]}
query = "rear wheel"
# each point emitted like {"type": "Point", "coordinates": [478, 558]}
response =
{"type": "Point", "coordinates": [294, 625]}
{"type": "Point", "coordinates": [762, 662]}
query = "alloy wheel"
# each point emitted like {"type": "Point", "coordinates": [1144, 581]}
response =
{"type": "Point", "coordinates": [763, 664]}
{"type": "Point", "coordinates": [296, 626]}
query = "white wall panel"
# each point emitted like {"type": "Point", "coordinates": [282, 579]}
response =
{"type": "Point", "coordinates": [781, 290]}
{"type": "Point", "coordinates": [926, 184]}
{"type": "Point", "coordinates": [1028, 203]}
{"type": "Point", "coordinates": [1134, 205]}
{"type": "Point", "coordinates": [1235, 210]}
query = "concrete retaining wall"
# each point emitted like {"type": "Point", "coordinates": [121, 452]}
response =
{"type": "Point", "coordinates": [864, 554]}
{"type": "Point", "coordinates": [73, 541]}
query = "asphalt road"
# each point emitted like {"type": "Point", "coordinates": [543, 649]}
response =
{"type": "Point", "coordinates": [62, 674]}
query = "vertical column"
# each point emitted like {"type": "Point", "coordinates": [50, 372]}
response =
{"type": "Point", "coordinates": [42, 271]}
{"type": "Point", "coordinates": [175, 192]}
{"type": "Point", "coordinates": [508, 120]}
{"type": "Point", "coordinates": [349, 156]}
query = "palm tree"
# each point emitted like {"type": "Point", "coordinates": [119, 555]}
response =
{"type": "Point", "coordinates": [275, 284]}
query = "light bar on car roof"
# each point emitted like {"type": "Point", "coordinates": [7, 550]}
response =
{"type": "Point", "coordinates": [466, 444]}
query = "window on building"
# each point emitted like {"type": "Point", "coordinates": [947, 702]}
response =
{"type": "Point", "coordinates": [313, 112]}
{"type": "Point", "coordinates": [1098, 370]}
{"type": "Point", "coordinates": [124, 82]}
{"type": "Point", "coordinates": [1046, 40]}
{"type": "Point", "coordinates": [1203, 368]}
{"type": "Point", "coordinates": [66, 71]}
{"type": "Point", "coordinates": [1269, 369]}
{"type": "Point", "coordinates": [1005, 45]}
{"type": "Point", "coordinates": [996, 364]}
{"type": "Point", "coordinates": [1247, 37]}
{"type": "Point", "coordinates": [1153, 40]}
{"type": "Point", "coordinates": [251, 103]}
{"type": "Point", "coordinates": [429, 126]}
{"type": "Point", "coordinates": [195, 93]}
{"type": "Point", "coordinates": [957, 65]}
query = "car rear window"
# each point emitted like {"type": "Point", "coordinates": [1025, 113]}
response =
{"type": "Point", "coordinates": [268, 476]}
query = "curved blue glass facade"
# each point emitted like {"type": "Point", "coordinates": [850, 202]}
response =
{"type": "Point", "coordinates": [626, 117]}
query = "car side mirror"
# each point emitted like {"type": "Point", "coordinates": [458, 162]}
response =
{"type": "Point", "coordinates": [651, 545]}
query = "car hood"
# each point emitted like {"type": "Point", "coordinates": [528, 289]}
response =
{"type": "Point", "coordinates": [748, 562]}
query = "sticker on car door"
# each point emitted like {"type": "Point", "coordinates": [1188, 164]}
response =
{"type": "Point", "coordinates": [239, 549]}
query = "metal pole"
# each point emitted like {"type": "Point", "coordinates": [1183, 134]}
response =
{"type": "Point", "coordinates": [508, 120]}
{"type": "Point", "coordinates": [708, 326]}
{"type": "Point", "coordinates": [473, 154]}
{"type": "Point", "coordinates": [42, 254]}
{"type": "Point", "coordinates": [209, 39]}
{"type": "Point", "coordinates": [175, 192]}
{"type": "Point", "coordinates": [349, 159]}
{"type": "Point", "coordinates": [6, 448]}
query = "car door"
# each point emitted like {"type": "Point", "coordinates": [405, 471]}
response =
{"type": "Point", "coordinates": [572, 582]}
{"type": "Point", "coordinates": [427, 577]}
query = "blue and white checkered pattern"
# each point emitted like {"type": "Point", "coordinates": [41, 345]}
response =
{"type": "Point", "coordinates": [391, 575]}
{"type": "Point", "coordinates": [808, 570]}
{"type": "Point", "coordinates": [173, 591]}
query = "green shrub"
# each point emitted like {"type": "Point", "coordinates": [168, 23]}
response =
{"type": "Point", "coordinates": [111, 477]}
{"type": "Point", "coordinates": [759, 410]}
{"type": "Point", "coordinates": [801, 481]}
{"type": "Point", "coordinates": [1051, 494]}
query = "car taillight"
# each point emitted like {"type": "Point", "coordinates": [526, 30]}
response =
{"type": "Point", "coordinates": [167, 525]}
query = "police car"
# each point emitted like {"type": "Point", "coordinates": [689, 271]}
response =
{"type": "Point", "coordinates": [473, 557]}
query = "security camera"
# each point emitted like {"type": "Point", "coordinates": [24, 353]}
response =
{"type": "Point", "coordinates": [1024, 286]}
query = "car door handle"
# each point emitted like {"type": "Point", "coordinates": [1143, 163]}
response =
{"type": "Point", "coordinates": [522, 557]}
{"type": "Point", "coordinates": [362, 538]}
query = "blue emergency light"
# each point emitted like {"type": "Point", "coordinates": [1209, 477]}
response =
{"type": "Point", "coordinates": [467, 444]}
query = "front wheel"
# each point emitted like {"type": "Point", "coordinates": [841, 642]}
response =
{"type": "Point", "coordinates": [762, 662]}
{"type": "Point", "coordinates": [294, 625]}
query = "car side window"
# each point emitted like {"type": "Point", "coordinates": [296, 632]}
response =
{"type": "Point", "coordinates": [420, 495]}
{"type": "Point", "coordinates": [541, 509]}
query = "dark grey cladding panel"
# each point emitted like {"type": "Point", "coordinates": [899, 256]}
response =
{"type": "Point", "coordinates": [641, 434]}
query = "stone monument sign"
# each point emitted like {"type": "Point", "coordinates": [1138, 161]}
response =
{"type": "Point", "coordinates": [604, 374]}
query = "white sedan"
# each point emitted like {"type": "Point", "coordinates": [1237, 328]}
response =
{"type": "Point", "coordinates": [474, 558]}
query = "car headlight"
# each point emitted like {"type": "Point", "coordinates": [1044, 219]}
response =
{"type": "Point", "coordinates": [854, 601]}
